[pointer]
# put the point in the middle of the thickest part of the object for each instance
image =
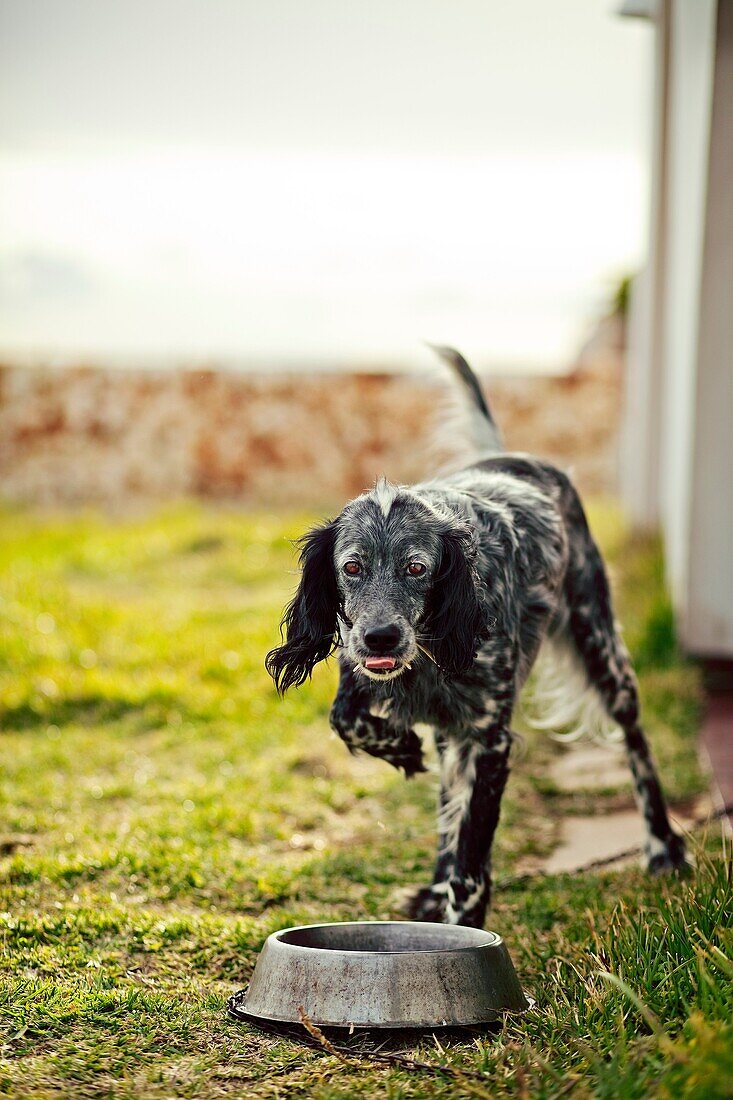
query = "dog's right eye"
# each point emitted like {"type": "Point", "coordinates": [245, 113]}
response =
{"type": "Point", "coordinates": [352, 568]}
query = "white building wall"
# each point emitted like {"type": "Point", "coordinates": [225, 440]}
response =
{"type": "Point", "coordinates": [677, 448]}
{"type": "Point", "coordinates": [691, 63]}
{"type": "Point", "coordinates": [641, 420]}
{"type": "Point", "coordinates": [706, 624]}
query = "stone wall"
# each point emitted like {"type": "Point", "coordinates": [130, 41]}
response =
{"type": "Point", "coordinates": [113, 437]}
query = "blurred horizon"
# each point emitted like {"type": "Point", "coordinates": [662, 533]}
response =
{"type": "Point", "coordinates": [287, 185]}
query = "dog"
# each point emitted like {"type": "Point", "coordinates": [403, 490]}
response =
{"type": "Point", "coordinates": [438, 598]}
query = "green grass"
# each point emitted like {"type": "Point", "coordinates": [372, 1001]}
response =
{"type": "Point", "coordinates": [163, 811]}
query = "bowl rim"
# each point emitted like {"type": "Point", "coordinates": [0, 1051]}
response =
{"type": "Point", "coordinates": [493, 939]}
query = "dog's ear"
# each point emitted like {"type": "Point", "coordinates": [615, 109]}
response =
{"type": "Point", "coordinates": [310, 621]}
{"type": "Point", "coordinates": [455, 621]}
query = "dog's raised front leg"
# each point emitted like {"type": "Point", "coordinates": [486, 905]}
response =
{"type": "Point", "coordinates": [363, 722]}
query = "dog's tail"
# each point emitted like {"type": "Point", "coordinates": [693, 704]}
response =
{"type": "Point", "coordinates": [485, 436]}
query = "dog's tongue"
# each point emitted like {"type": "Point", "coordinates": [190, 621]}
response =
{"type": "Point", "coordinates": [380, 662]}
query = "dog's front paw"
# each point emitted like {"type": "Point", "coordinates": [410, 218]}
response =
{"type": "Point", "coordinates": [425, 903]}
{"type": "Point", "coordinates": [407, 757]}
{"type": "Point", "coordinates": [668, 856]}
{"type": "Point", "coordinates": [370, 733]}
{"type": "Point", "coordinates": [409, 765]}
{"type": "Point", "coordinates": [403, 751]}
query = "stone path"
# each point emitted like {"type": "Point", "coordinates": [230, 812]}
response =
{"type": "Point", "coordinates": [588, 837]}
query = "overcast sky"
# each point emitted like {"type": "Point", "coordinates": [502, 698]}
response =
{"type": "Point", "coordinates": [323, 179]}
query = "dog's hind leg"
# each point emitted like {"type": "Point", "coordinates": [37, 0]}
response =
{"type": "Point", "coordinates": [363, 723]}
{"type": "Point", "coordinates": [593, 631]}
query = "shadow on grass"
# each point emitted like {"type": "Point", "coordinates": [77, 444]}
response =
{"type": "Point", "coordinates": [89, 709]}
{"type": "Point", "coordinates": [365, 1041]}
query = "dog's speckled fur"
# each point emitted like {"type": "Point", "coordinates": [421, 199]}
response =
{"type": "Point", "coordinates": [509, 562]}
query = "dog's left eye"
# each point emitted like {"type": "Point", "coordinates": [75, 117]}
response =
{"type": "Point", "coordinates": [416, 568]}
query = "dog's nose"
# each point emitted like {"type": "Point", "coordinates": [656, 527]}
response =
{"type": "Point", "coordinates": [381, 639]}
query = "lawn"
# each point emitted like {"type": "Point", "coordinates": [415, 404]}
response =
{"type": "Point", "coordinates": [162, 811]}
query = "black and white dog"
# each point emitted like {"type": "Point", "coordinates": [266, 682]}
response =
{"type": "Point", "coordinates": [438, 597]}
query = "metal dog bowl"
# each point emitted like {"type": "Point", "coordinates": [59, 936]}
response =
{"type": "Point", "coordinates": [382, 974]}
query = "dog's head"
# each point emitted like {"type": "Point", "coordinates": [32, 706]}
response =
{"type": "Point", "coordinates": [388, 579]}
